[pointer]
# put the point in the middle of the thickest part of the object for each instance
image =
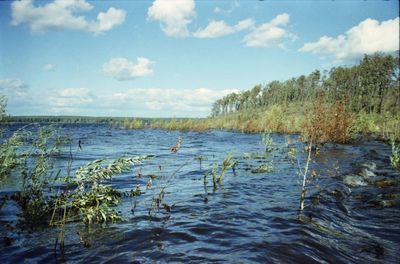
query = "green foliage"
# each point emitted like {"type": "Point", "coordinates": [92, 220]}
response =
{"type": "Point", "coordinates": [370, 86]}
{"type": "Point", "coordinates": [9, 153]}
{"type": "Point", "coordinates": [38, 174]}
{"type": "Point", "coordinates": [229, 162]}
{"type": "Point", "coordinates": [91, 198]}
{"type": "Point", "coordinates": [94, 204]}
{"type": "Point", "coordinates": [95, 171]}
{"type": "Point", "coordinates": [85, 197]}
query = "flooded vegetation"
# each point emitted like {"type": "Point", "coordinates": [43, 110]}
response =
{"type": "Point", "coordinates": [243, 203]}
{"type": "Point", "coordinates": [317, 180]}
{"type": "Point", "coordinates": [199, 131]}
{"type": "Point", "coordinates": [338, 105]}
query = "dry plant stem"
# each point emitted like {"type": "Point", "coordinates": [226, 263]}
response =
{"type": "Point", "coordinates": [303, 188]}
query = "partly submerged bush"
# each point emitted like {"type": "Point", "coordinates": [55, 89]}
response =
{"type": "Point", "coordinates": [328, 123]}
{"type": "Point", "coordinates": [9, 153]}
{"type": "Point", "coordinates": [395, 157]}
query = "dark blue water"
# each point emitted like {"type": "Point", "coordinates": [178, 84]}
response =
{"type": "Point", "coordinates": [250, 218]}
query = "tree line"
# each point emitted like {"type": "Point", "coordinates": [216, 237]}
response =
{"type": "Point", "coordinates": [372, 86]}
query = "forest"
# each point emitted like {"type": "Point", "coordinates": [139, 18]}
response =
{"type": "Point", "coordinates": [372, 86]}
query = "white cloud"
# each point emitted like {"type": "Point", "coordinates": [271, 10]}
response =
{"type": "Point", "coordinates": [13, 88]}
{"type": "Point", "coordinates": [269, 34]}
{"type": "Point", "coordinates": [123, 69]}
{"type": "Point", "coordinates": [234, 5]}
{"type": "Point", "coordinates": [106, 21]}
{"type": "Point", "coordinates": [368, 37]}
{"type": "Point", "coordinates": [244, 24]}
{"type": "Point", "coordinates": [63, 14]}
{"type": "Point", "coordinates": [174, 16]}
{"type": "Point", "coordinates": [71, 100]}
{"type": "Point", "coordinates": [157, 99]}
{"type": "Point", "coordinates": [214, 29]}
{"type": "Point", "coordinates": [49, 67]}
{"type": "Point", "coordinates": [280, 20]}
{"type": "Point", "coordinates": [217, 29]}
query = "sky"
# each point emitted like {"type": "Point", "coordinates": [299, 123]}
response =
{"type": "Point", "coordinates": [174, 58]}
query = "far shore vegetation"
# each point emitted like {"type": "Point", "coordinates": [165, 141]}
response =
{"type": "Point", "coordinates": [335, 106]}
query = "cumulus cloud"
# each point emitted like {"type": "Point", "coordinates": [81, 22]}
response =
{"type": "Point", "coordinates": [71, 100]}
{"type": "Point", "coordinates": [234, 5]}
{"type": "Point", "coordinates": [368, 37]}
{"type": "Point", "coordinates": [269, 34]}
{"type": "Point", "coordinates": [217, 29]}
{"type": "Point", "coordinates": [174, 16]}
{"type": "Point", "coordinates": [122, 69]}
{"type": "Point", "coordinates": [63, 14]}
{"type": "Point", "coordinates": [13, 88]}
{"type": "Point", "coordinates": [49, 67]}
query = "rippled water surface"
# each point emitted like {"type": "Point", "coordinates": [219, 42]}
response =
{"type": "Point", "coordinates": [352, 214]}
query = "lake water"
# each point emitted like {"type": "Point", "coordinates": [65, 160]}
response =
{"type": "Point", "coordinates": [250, 218]}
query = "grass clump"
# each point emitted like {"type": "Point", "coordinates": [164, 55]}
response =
{"type": "Point", "coordinates": [229, 162]}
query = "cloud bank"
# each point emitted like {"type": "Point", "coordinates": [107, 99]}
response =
{"type": "Point", "coordinates": [122, 69]}
{"type": "Point", "coordinates": [175, 17]}
{"type": "Point", "coordinates": [13, 88]}
{"type": "Point", "coordinates": [154, 102]}
{"type": "Point", "coordinates": [368, 37]}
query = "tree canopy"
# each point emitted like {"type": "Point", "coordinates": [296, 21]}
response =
{"type": "Point", "coordinates": [370, 86]}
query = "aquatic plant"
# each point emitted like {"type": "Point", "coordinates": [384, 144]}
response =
{"type": "Point", "coordinates": [304, 175]}
{"type": "Point", "coordinates": [264, 167]}
{"type": "Point", "coordinates": [87, 198]}
{"type": "Point", "coordinates": [53, 197]}
{"type": "Point", "coordinates": [302, 171]}
{"type": "Point", "coordinates": [136, 123]}
{"type": "Point", "coordinates": [395, 156]}
{"type": "Point", "coordinates": [9, 153]}
{"type": "Point", "coordinates": [267, 141]}
{"type": "Point", "coordinates": [200, 159]}
{"type": "Point", "coordinates": [93, 199]}
{"type": "Point", "coordinates": [177, 146]}
{"type": "Point", "coordinates": [229, 162]}
{"type": "Point", "coordinates": [37, 173]}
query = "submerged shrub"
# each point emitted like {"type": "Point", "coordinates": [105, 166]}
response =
{"type": "Point", "coordinates": [263, 168]}
{"type": "Point", "coordinates": [328, 123]}
{"type": "Point", "coordinates": [267, 141]}
{"type": "Point", "coordinates": [9, 153]}
{"type": "Point", "coordinates": [395, 157]}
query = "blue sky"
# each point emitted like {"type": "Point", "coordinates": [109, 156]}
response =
{"type": "Point", "coordinates": [168, 58]}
